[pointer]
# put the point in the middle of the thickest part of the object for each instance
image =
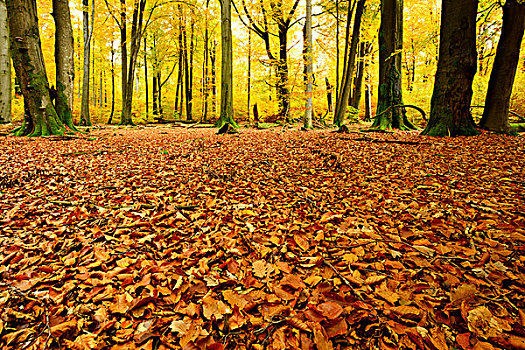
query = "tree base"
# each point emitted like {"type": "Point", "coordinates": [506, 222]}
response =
{"type": "Point", "coordinates": [227, 128]}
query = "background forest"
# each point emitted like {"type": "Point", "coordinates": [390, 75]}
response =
{"type": "Point", "coordinates": [178, 65]}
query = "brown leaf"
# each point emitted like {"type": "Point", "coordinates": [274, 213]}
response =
{"type": "Point", "coordinates": [330, 310]}
{"type": "Point", "coordinates": [321, 338]}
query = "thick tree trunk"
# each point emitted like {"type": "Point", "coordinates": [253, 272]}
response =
{"type": "Point", "coordinates": [450, 107]}
{"type": "Point", "coordinates": [308, 50]}
{"type": "Point", "coordinates": [390, 77]}
{"type": "Point", "coordinates": [5, 67]}
{"type": "Point", "coordinates": [40, 118]}
{"type": "Point", "coordinates": [64, 60]}
{"type": "Point", "coordinates": [496, 114]}
{"type": "Point", "coordinates": [344, 95]}
{"type": "Point", "coordinates": [226, 116]}
{"type": "Point", "coordinates": [84, 109]}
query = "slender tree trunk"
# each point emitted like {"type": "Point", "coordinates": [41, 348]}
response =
{"type": "Point", "coordinates": [159, 92]}
{"type": "Point", "coordinates": [146, 76]}
{"type": "Point", "coordinates": [450, 107]}
{"type": "Point", "coordinates": [249, 72]}
{"type": "Point", "coordinates": [308, 44]}
{"type": "Point", "coordinates": [338, 54]}
{"type": "Point", "coordinates": [85, 118]}
{"type": "Point", "coordinates": [213, 59]}
{"type": "Point", "coordinates": [329, 95]}
{"type": "Point", "coordinates": [189, 91]}
{"type": "Point", "coordinates": [155, 92]}
{"type": "Point", "coordinates": [226, 116]}
{"type": "Point", "coordinates": [344, 96]}
{"type": "Point", "coordinates": [358, 85]}
{"type": "Point", "coordinates": [206, 66]}
{"type": "Point", "coordinates": [390, 76]}
{"type": "Point", "coordinates": [496, 114]}
{"type": "Point", "coordinates": [112, 83]}
{"type": "Point", "coordinates": [40, 118]}
{"type": "Point", "coordinates": [93, 83]}
{"type": "Point", "coordinates": [283, 92]}
{"type": "Point", "coordinates": [123, 57]}
{"type": "Point", "coordinates": [136, 39]}
{"type": "Point", "coordinates": [5, 67]}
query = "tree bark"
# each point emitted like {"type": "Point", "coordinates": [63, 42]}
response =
{"type": "Point", "coordinates": [329, 93]}
{"type": "Point", "coordinates": [112, 83]}
{"type": "Point", "coordinates": [390, 76]}
{"type": "Point", "coordinates": [146, 75]}
{"type": "Point", "coordinates": [40, 117]}
{"type": "Point", "coordinates": [226, 114]}
{"type": "Point", "coordinates": [450, 106]}
{"type": "Point", "coordinates": [308, 52]}
{"type": "Point", "coordinates": [5, 67]}
{"type": "Point", "coordinates": [64, 60]}
{"type": "Point", "coordinates": [344, 95]}
{"type": "Point", "coordinates": [497, 103]}
{"type": "Point", "coordinates": [358, 85]}
{"type": "Point", "coordinates": [84, 109]}
{"type": "Point", "coordinates": [136, 39]}
{"type": "Point", "coordinates": [249, 83]}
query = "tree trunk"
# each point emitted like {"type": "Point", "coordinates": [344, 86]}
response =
{"type": "Point", "coordinates": [358, 85]}
{"type": "Point", "coordinates": [84, 109]}
{"type": "Point", "coordinates": [112, 84]}
{"type": "Point", "coordinates": [308, 45]}
{"type": "Point", "coordinates": [329, 93]}
{"type": "Point", "coordinates": [64, 60]}
{"type": "Point", "coordinates": [123, 56]}
{"type": "Point", "coordinates": [344, 95]}
{"type": "Point", "coordinates": [249, 89]}
{"type": "Point", "coordinates": [213, 59]}
{"type": "Point", "coordinates": [146, 76]}
{"type": "Point", "coordinates": [136, 39]}
{"type": "Point", "coordinates": [40, 118]}
{"type": "Point", "coordinates": [450, 107]}
{"type": "Point", "coordinates": [189, 67]}
{"type": "Point", "coordinates": [5, 67]}
{"type": "Point", "coordinates": [390, 77]}
{"type": "Point", "coordinates": [496, 114]}
{"type": "Point", "coordinates": [226, 116]}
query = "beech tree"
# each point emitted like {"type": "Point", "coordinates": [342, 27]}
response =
{"type": "Point", "coordinates": [40, 118]}
{"type": "Point", "coordinates": [308, 49]}
{"type": "Point", "coordinates": [346, 83]}
{"type": "Point", "coordinates": [496, 112]}
{"type": "Point", "coordinates": [85, 119]}
{"type": "Point", "coordinates": [390, 110]}
{"type": "Point", "coordinates": [226, 123]}
{"type": "Point", "coordinates": [457, 65]}
{"type": "Point", "coordinates": [5, 67]}
{"type": "Point", "coordinates": [284, 21]}
{"type": "Point", "coordinates": [64, 60]}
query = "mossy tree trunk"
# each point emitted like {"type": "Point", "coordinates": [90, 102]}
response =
{"type": "Point", "coordinates": [40, 118]}
{"type": "Point", "coordinates": [226, 116]}
{"type": "Point", "coordinates": [390, 76]}
{"type": "Point", "coordinates": [5, 67]}
{"type": "Point", "coordinates": [450, 106]}
{"type": "Point", "coordinates": [496, 114]}
{"type": "Point", "coordinates": [65, 68]}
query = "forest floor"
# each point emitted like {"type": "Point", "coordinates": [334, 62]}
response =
{"type": "Point", "coordinates": [170, 238]}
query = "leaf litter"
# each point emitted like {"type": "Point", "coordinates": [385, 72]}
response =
{"type": "Point", "coordinates": [263, 240]}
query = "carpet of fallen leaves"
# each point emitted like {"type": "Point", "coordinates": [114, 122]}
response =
{"type": "Point", "coordinates": [179, 238]}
